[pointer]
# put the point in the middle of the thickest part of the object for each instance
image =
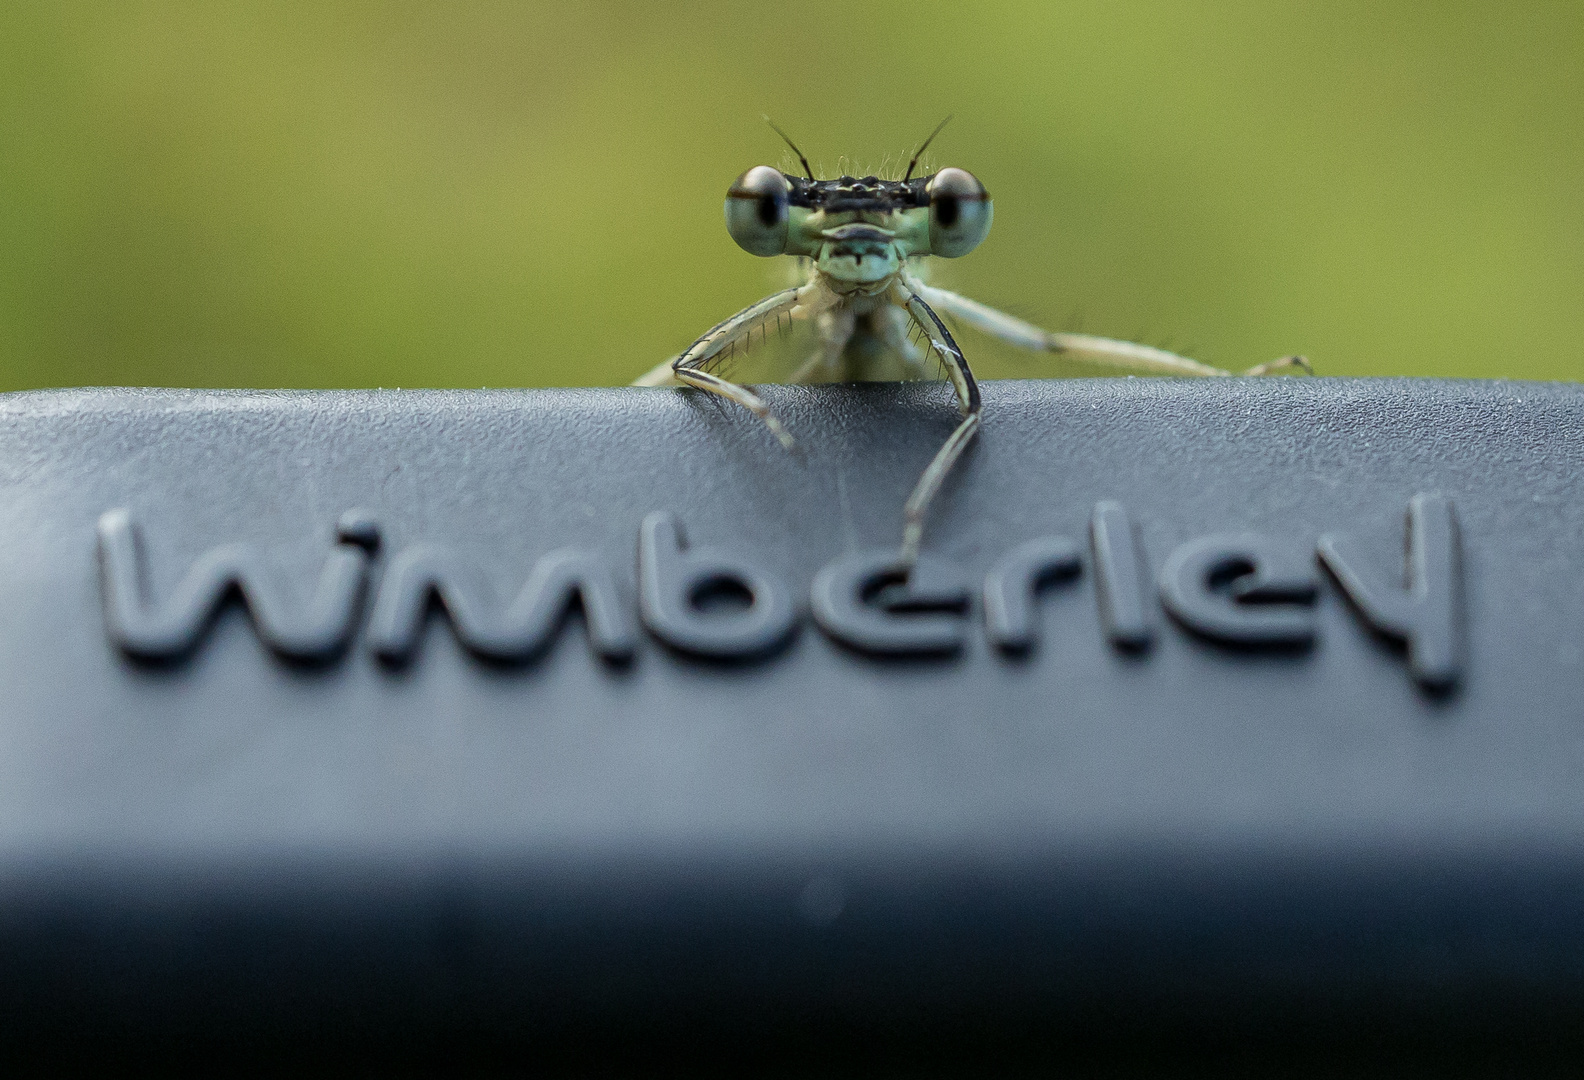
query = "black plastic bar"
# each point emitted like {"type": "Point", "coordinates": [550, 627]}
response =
{"type": "Point", "coordinates": [305, 749]}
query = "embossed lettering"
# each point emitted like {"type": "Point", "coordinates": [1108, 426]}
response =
{"type": "Point", "coordinates": [521, 631]}
{"type": "Point", "coordinates": [673, 580]}
{"type": "Point", "coordinates": [1427, 614]}
{"type": "Point", "coordinates": [1119, 577]}
{"type": "Point", "coordinates": [1011, 587]}
{"type": "Point", "coordinates": [315, 630]}
{"type": "Point", "coordinates": [870, 601]}
{"type": "Point", "coordinates": [1241, 590]}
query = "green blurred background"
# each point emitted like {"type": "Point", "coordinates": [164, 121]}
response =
{"type": "Point", "coordinates": [502, 194]}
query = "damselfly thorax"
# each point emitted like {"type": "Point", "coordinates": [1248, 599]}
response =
{"type": "Point", "coordinates": [861, 241]}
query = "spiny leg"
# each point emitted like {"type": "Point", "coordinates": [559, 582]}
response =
{"type": "Point", "coordinates": [743, 396]}
{"type": "Point", "coordinates": [968, 404]}
{"type": "Point", "coordinates": [689, 367]}
{"type": "Point", "coordinates": [1086, 347]}
{"type": "Point", "coordinates": [1128, 354]}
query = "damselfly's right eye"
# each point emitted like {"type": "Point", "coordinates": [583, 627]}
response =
{"type": "Point", "coordinates": [959, 213]}
{"type": "Point", "coordinates": [756, 211]}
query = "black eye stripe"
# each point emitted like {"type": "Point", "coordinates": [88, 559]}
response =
{"type": "Point", "coordinates": [857, 194]}
{"type": "Point", "coordinates": [947, 210]}
{"type": "Point", "coordinates": [770, 210]}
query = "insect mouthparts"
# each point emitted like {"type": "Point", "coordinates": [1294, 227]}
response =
{"type": "Point", "coordinates": [858, 231]}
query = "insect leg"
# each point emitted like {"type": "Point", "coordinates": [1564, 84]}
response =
{"type": "Point", "coordinates": [1280, 363]}
{"type": "Point", "coordinates": [1086, 347]}
{"type": "Point", "coordinates": [662, 374]}
{"type": "Point", "coordinates": [835, 328]}
{"type": "Point", "coordinates": [690, 367]}
{"type": "Point", "coordinates": [968, 405]}
{"type": "Point", "coordinates": [743, 396]}
{"type": "Point", "coordinates": [891, 325]}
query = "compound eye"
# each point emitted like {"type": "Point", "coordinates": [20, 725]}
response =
{"type": "Point", "coordinates": [960, 212]}
{"type": "Point", "coordinates": [756, 211]}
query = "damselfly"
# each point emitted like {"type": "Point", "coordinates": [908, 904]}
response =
{"type": "Point", "coordinates": [862, 241]}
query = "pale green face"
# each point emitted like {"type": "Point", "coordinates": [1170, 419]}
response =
{"type": "Point", "coordinates": [858, 230]}
{"type": "Point", "coordinates": [861, 246]}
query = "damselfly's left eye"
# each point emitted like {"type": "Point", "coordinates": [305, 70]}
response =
{"type": "Point", "coordinates": [756, 211]}
{"type": "Point", "coordinates": [960, 211]}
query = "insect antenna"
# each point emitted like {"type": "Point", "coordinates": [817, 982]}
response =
{"type": "Point", "coordinates": [913, 164]}
{"type": "Point", "coordinates": [801, 159]}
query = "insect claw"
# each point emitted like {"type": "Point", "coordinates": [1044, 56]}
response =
{"type": "Point", "coordinates": [1277, 365]}
{"type": "Point", "coordinates": [912, 540]}
{"type": "Point", "coordinates": [783, 436]}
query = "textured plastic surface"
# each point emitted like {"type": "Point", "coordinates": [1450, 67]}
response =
{"type": "Point", "coordinates": [1186, 791]}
